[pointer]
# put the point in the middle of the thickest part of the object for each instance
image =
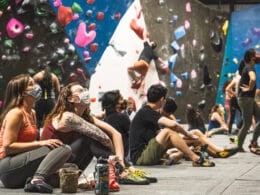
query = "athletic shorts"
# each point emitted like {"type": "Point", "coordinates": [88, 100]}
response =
{"type": "Point", "coordinates": [152, 154]}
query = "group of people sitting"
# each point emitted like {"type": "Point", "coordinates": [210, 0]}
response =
{"type": "Point", "coordinates": [71, 134]}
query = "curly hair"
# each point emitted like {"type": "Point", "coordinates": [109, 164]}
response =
{"type": "Point", "coordinates": [62, 105]}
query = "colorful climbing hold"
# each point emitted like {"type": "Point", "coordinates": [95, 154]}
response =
{"type": "Point", "coordinates": [64, 15]}
{"type": "Point", "coordinates": [94, 47]}
{"type": "Point", "coordinates": [14, 28]}
{"type": "Point", "coordinates": [76, 8]}
{"type": "Point", "coordinates": [83, 38]}
{"type": "Point", "coordinates": [100, 15]}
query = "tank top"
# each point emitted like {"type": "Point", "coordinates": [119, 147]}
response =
{"type": "Point", "coordinates": [47, 91]}
{"type": "Point", "coordinates": [213, 124]}
{"type": "Point", "coordinates": [27, 133]}
{"type": "Point", "coordinates": [49, 132]}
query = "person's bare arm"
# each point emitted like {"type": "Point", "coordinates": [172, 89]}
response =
{"type": "Point", "coordinates": [13, 123]}
{"type": "Point", "coordinates": [56, 83]}
{"type": "Point", "coordinates": [73, 122]}
{"type": "Point", "coordinates": [216, 116]}
{"type": "Point", "coordinates": [229, 88]}
{"type": "Point", "coordinates": [37, 77]}
{"type": "Point", "coordinates": [175, 127]}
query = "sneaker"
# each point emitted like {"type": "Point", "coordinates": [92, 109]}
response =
{"type": "Point", "coordinates": [227, 152]}
{"type": "Point", "coordinates": [133, 179]}
{"type": "Point", "coordinates": [86, 182]}
{"type": "Point", "coordinates": [37, 185]}
{"type": "Point", "coordinates": [203, 163]}
{"type": "Point", "coordinates": [144, 174]}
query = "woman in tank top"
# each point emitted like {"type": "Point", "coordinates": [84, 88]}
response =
{"type": "Point", "coordinates": [23, 160]}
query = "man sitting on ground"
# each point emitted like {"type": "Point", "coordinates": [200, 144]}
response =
{"type": "Point", "coordinates": [148, 143]}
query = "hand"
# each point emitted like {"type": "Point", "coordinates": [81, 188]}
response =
{"type": "Point", "coordinates": [51, 143]}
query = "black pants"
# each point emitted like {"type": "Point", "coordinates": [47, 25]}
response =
{"type": "Point", "coordinates": [233, 108]}
{"type": "Point", "coordinates": [84, 149]}
{"type": "Point", "coordinates": [42, 108]}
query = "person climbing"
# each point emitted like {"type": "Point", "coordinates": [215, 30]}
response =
{"type": "Point", "coordinates": [138, 71]}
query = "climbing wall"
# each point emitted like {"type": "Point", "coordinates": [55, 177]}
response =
{"type": "Point", "coordinates": [31, 36]}
{"type": "Point", "coordinates": [70, 36]}
{"type": "Point", "coordinates": [244, 33]}
{"type": "Point", "coordinates": [94, 41]}
{"type": "Point", "coordinates": [191, 38]}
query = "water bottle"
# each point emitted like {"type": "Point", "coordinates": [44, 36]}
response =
{"type": "Point", "coordinates": [101, 177]}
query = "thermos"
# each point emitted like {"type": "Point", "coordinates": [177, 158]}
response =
{"type": "Point", "coordinates": [101, 177]}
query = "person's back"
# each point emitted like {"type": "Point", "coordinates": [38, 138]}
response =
{"type": "Point", "coordinates": [143, 128]}
{"type": "Point", "coordinates": [50, 85]}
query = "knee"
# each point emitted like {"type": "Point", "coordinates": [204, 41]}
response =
{"type": "Point", "coordinates": [197, 132]}
{"type": "Point", "coordinates": [169, 132]}
{"type": "Point", "coordinates": [67, 150]}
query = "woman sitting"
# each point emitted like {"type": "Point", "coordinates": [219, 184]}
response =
{"type": "Point", "coordinates": [217, 123]}
{"type": "Point", "coordinates": [23, 160]}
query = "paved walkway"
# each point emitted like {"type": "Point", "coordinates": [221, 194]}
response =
{"type": "Point", "coordinates": [239, 174]}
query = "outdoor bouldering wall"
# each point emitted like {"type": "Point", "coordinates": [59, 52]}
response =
{"type": "Point", "coordinates": [191, 37]}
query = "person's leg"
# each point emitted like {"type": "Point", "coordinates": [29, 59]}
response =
{"type": "Point", "coordinates": [25, 164]}
{"type": "Point", "coordinates": [257, 126]}
{"type": "Point", "coordinates": [228, 111]}
{"type": "Point", "coordinates": [140, 67]}
{"type": "Point", "coordinates": [169, 139]}
{"type": "Point", "coordinates": [39, 109]}
{"type": "Point", "coordinates": [152, 153]}
{"type": "Point", "coordinates": [204, 140]}
{"type": "Point", "coordinates": [54, 160]}
{"type": "Point", "coordinates": [213, 131]}
{"type": "Point", "coordinates": [232, 113]}
{"type": "Point", "coordinates": [132, 74]}
{"type": "Point", "coordinates": [247, 107]}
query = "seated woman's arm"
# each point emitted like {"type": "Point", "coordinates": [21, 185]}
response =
{"type": "Point", "coordinates": [12, 124]}
{"type": "Point", "coordinates": [74, 122]}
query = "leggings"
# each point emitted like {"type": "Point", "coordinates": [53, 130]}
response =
{"type": "Point", "coordinates": [40, 162]}
{"type": "Point", "coordinates": [233, 108]}
{"type": "Point", "coordinates": [218, 130]}
{"type": "Point", "coordinates": [83, 150]}
{"type": "Point", "coordinates": [249, 109]}
{"type": "Point", "coordinates": [43, 108]}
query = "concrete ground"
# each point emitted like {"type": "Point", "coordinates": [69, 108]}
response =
{"type": "Point", "coordinates": [238, 174]}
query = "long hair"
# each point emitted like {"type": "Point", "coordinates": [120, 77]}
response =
{"type": "Point", "coordinates": [47, 82]}
{"type": "Point", "coordinates": [241, 67]}
{"type": "Point", "coordinates": [194, 117]}
{"type": "Point", "coordinates": [225, 86]}
{"type": "Point", "coordinates": [14, 93]}
{"type": "Point", "coordinates": [213, 109]}
{"type": "Point", "coordinates": [62, 105]}
{"type": "Point", "coordinates": [250, 53]}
